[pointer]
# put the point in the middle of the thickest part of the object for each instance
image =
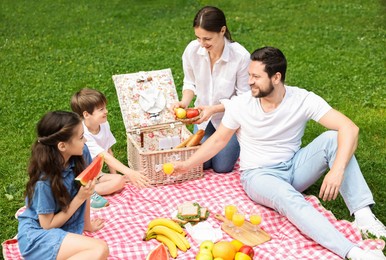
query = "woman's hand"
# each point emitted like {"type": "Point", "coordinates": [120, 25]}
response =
{"type": "Point", "coordinates": [177, 105]}
{"type": "Point", "coordinates": [206, 113]}
{"type": "Point", "coordinates": [138, 179]}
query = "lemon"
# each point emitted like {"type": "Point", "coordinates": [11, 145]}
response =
{"type": "Point", "coordinates": [168, 168]}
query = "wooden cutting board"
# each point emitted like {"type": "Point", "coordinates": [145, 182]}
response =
{"type": "Point", "coordinates": [247, 234]}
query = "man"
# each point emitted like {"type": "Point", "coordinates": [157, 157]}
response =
{"type": "Point", "coordinates": [269, 122]}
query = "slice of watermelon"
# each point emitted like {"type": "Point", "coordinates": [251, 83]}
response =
{"type": "Point", "coordinates": [158, 253]}
{"type": "Point", "coordinates": [91, 171]}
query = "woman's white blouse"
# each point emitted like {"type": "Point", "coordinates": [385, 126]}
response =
{"type": "Point", "coordinates": [228, 78]}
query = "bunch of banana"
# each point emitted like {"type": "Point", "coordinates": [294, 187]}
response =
{"type": "Point", "coordinates": [169, 233]}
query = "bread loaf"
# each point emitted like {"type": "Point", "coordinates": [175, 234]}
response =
{"type": "Point", "coordinates": [183, 144]}
{"type": "Point", "coordinates": [196, 139]}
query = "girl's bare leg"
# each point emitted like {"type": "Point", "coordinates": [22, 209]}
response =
{"type": "Point", "coordinates": [76, 246]}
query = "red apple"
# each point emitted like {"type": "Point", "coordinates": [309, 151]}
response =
{"type": "Point", "coordinates": [192, 112]}
{"type": "Point", "coordinates": [247, 250]}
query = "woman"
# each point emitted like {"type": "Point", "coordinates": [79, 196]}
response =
{"type": "Point", "coordinates": [215, 70]}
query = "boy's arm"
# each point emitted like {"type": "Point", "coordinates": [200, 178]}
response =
{"type": "Point", "coordinates": [135, 177]}
{"type": "Point", "coordinates": [112, 170]}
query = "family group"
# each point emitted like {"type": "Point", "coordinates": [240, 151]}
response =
{"type": "Point", "coordinates": [248, 114]}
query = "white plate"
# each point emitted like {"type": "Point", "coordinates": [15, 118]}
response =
{"type": "Point", "coordinates": [152, 103]}
{"type": "Point", "coordinates": [202, 231]}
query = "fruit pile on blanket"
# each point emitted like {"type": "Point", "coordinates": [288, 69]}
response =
{"type": "Point", "coordinates": [224, 250]}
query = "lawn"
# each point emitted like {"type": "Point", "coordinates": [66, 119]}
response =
{"type": "Point", "coordinates": [50, 49]}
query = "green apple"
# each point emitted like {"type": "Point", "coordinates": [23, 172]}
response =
{"type": "Point", "coordinates": [206, 251]}
{"type": "Point", "coordinates": [208, 244]}
{"type": "Point", "coordinates": [201, 256]}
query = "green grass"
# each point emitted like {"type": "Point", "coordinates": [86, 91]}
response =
{"type": "Point", "coordinates": [50, 49]}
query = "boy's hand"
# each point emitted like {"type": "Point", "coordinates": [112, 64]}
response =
{"type": "Point", "coordinates": [138, 179]}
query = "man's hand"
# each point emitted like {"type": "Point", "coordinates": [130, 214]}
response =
{"type": "Point", "coordinates": [179, 167]}
{"type": "Point", "coordinates": [331, 185]}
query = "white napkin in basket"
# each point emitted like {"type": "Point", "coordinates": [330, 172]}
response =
{"type": "Point", "coordinates": [152, 101]}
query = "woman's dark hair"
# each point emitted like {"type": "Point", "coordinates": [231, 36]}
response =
{"type": "Point", "coordinates": [212, 19]}
{"type": "Point", "coordinates": [273, 59]}
{"type": "Point", "coordinates": [46, 161]}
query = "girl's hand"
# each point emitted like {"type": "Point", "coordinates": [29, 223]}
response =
{"type": "Point", "coordinates": [138, 179]}
{"type": "Point", "coordinates": [96, 224]}
{"type": "Point", "coordinates": [86, 191]}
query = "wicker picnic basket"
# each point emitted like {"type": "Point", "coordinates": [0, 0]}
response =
{"type": "Point", "coordinates": [144, 99]}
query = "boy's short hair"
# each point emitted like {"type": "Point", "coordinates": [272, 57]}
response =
{"type": "Point", "coordinates": [87, 100]}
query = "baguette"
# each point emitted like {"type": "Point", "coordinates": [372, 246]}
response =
{"type": "Point", "coordinates": [196, 139]}
{"type": "Point", "coordinates": [183, 144]}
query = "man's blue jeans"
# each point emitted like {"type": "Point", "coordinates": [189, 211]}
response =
{"type": "Point", "coordinates": [280, 187]}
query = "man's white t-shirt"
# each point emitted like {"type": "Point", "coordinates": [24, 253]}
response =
{"type": "Point", "coordinates": [267, 139]}
{"type": "Point", "coordinates": [101, 141]}
{"type": "Point", "coordinates": [229, 76]}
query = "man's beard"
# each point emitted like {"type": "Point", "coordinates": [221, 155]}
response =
{"type": "Point", "coordinates": [265, 93]}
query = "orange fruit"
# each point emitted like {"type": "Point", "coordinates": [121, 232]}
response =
{"type": "Point", "coordinates": [237, 244]}
{"type": "Point", "coordinates": [168, 168]}
{"type": "Point", "coordinates": [224, 250]}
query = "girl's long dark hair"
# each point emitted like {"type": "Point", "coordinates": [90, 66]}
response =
{"type": "Point", "coordinates": [46, 162]}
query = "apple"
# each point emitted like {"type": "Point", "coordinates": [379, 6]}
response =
{"type": "Point", "coordinates": [242, 256]}
{"type": "Point", "coordinates": [207, 244]}
{"type": "Point", "coordinates": [206, 251]}
{"type": "Point", "coordinates": [192, 112]}
{"type": "Point", "coordinates": [201, 256]}
{"type": "Point", "coordinates": [248, 250]}
{"type": "Point", "coordinates": [180, 112]}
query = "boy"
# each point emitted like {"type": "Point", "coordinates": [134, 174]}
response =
{"type": "Point", "coordinates": [91, 104]}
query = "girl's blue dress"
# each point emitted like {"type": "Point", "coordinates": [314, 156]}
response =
{"type": "Point", "coordinates": [36, 242]}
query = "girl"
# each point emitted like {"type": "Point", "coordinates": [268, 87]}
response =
{"type": "Point", "coordinates": [58, 210]}
{"type": "Point", "coordinates": [215, 70]}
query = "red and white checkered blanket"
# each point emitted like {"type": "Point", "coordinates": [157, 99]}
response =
{"type": "Point", "coordinates": [131, 210]}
